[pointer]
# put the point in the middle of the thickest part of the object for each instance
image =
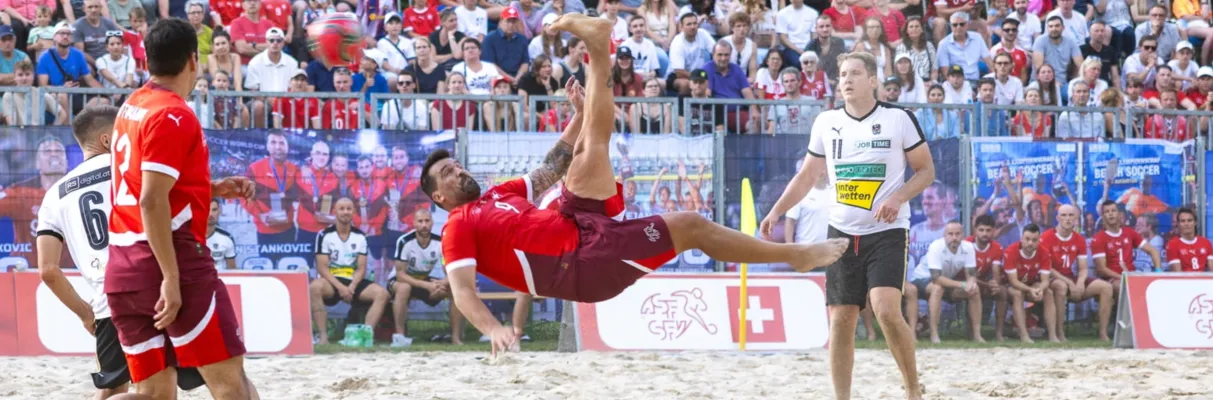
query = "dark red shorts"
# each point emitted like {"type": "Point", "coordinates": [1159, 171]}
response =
{"type": "Point", "coordinates": [611, 255]}
{"type": "Point", "coordinates": [205, 330]}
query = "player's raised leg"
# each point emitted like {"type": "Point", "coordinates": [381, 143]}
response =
{"type": "Point", "coordinates": [590, 175]}
{"type": "Point", "coordinates": [689, 230]}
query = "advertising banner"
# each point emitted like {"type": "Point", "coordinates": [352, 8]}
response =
{"type": "Point", "coordinates": [1043, 176]}
{"type": "Point", "coordinates": [1167, 310]}
{"type": "Point", "coordinates": [1145, 177]}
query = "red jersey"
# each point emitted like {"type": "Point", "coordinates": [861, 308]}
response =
{"type": "Point", "coordinates": [1019, 58]}
{"type": "Point", "coordinates": [405, 183]}
{"type": "Point", "coordinates": [815, 87]}
{"type": "Point", "coordinates": [278, 12]}
{"type": "Point", "coordinates": [314, 186]}
{"type": "Point", "coordinates": [845, 23]}
{"type": "Point", "coordinates": [156, 131]}
{"type": "Point", "coordinates": [1180, 95]}
{"type": "Point", "coordinates": [296, 112]}
{"type": "Point", "coordinates": [1065, 251]}
{"type": "Point", "coordinates": [250, 32]}
{"type": "Point", "coordinates": [372, 209]}
{"type": "Point", "coordinates": [1173, 128]}
{"type": "Point", "coordinates": [134, 42]}
{"type": "Point", "coordinates": [276, 190]}
{"type": "Point", "coordinates": [339, 114]}
{"type": "Point", "coordinates": [423, 22]}
{"type": "Point", "coordinates": [1191, 256]}
{"type": "Point", "coordinates": [229, 10]}
{"type": "Point", "coordinates": [550, 118]}
{"type": "Point", "coordinates": [988, 259]}
{"type": "Point", "coordinates": [892, 22]}
{"type": "Point", "coordinates": [1196, 97]}
{"type": "Point", "coordinates": [1028, 269]}
{"type": "Point", "coordinates": [1116, 249]}
{"type": "Point", "coordinates": [503, 234]}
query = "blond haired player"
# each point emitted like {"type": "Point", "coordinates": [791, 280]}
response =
{"type": "Point", "coordinates": [1072, 279]}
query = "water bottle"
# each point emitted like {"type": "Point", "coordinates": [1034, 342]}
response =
{"type": "Point", "coordinates": [366, 336]}
{"type": "Point", "coordinates": [353, 334]}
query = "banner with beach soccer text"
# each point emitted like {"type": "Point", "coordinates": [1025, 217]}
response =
{"type": "Point", "coordinates": [1044, 175]}
{"type": "Point", "coordinates": [1145, 177]}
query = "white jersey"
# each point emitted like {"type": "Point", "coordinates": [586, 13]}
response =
{"type": "Point", "coordinates": [950, 265]}
{"type": "Point", "coordinates": [866, 160]}
{"type": "Point", "coordinates": [343, 254]}
{"type": "Point", "coordinates": [419, 261]}
{"type": "Point", "coordinates": [76, 210]}
{"type": "Point", "coordinates": [222, 247]}
{"type": "Point", "coordinates": [812, 216]}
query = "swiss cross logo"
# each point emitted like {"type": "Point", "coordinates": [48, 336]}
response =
{"type": "Point", "coordinates": [764, 314]}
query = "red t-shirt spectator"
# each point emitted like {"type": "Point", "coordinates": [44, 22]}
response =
{"type": "Point", "coordinates": [29, 8]}
{"type": "Point", "coordinates": [1196, 97]}
{"type": "Point", "coordinates": [228, 10]}
{"type": "Point", "coordinates": [1019, 58]}
{"type": "Point", "coordinates": [550, 119]}
{"type": "Point", "coordinates": [249, 31]}
{"type": "Point", "coordinates": [455, 117]}
{"type": "Point", "coordinates": [1170, 128]}
{"type": "Point", "coordinates": [845, 23]}
{"type": "Point", "coordinates": [339, 114]}
{"type": "Point", "coordinates": [296, 112]}
{"type": "Point", "coordinates": [278, 12]}
{"type": "Point", "coordinates": [892, 23]}
{"type": "Point", "coordinates": [817, 88]}
{"type": "Point", "coordinates": [134, 41]}
{"type": "Point", "coordinates": [423, 22]}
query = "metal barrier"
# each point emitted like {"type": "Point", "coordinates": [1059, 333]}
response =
{"type": "Point", "coordinates": [628, 117]}
{"type": "Point", "coordinates": [20, 104]}
{"type": "Point", "coordinates": [942, 121]}
{"type": "Point", "coordinates": [231, 109]}
{"type": "Point", "coordinates": [707, 115]}
{"type": "Point", "coordinates": [401, 111]}
{"type": "Point", "coordinates": [1058, 122]}
{"type": "Point", "coordinates": [75, 99]}
{"type": "Point", "coordinates": [1174, 125]}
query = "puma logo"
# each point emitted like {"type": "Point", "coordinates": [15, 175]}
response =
{"type": "Point", "coordinates": [175, 119]}
{"type": "Point", "coordinates": [837, 131]}
{"type": "Point", "coordinates": [652, 232]}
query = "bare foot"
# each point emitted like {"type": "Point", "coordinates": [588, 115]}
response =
{"type": "Point", "coordinates": [872, 337]}
{"type": "Point", "coordinates": [1054, 340]}
{"type": "Point", "coordinates": [456, 341]}
{"type": "Point", "coordinates": [1026, 339]}
{"type": "Point", "coordinates": [979, 339]}
{"type": "Point", "coordinates": [1000, 338]}
{"type": "Point", "coordinates": [935, 339]}
{"type": "Point", "coordinates": [819, 254]}
{"type": "Point", "coordinates": [589, 29]}
{"type": "Point", "coordinates": [1104, 338]}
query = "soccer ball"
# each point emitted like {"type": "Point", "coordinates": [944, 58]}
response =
{"type": "Point", "coordinates": [335, 39]}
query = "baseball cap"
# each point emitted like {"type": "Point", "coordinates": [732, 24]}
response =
{"type": "Point", "coordinates": [624, 52]}
{"type": "Point", "coordinates": [1204, 71]}
{"type": "Point", "coordinates": [699, 75]}
{"type": "Point", "coordinates": [510, 12]}
{"type": "Point", "coordinates": [299, 72]}
{"type": "Point", "coordinates": [1183, 45]}
{"type": "Point", "coordinates": [892, 79]}
{"type": "Point", "coordinates": [902, 56]}
{"type": "Point", "coordinates": [375, 55]}
{"type": "Point", "coordinates": [64, 26]}
{"type": "Point", "coordinates": [274, 33]}
{"type": "Point", "coordinates": [808, 55]}
{"type": "Point", "coordinates": [392, 15]}
{"type": "Point", "coordinates": [6, 30]}
{"type": "Point", "coordinates": [549, 19]}
{"type": "Point", "coordinates": [956, 69]}
{"type": "Point", "coordinates": [499, 80]}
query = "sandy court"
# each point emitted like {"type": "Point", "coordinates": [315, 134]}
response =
{"type": "Point", "coordinates": [946, 374]}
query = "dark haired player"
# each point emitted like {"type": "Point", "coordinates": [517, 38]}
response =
{"type": "Point", "coordinates": [989, 269]}
{"type": "Point", "coordinates": [1028, 268]}
{"type": "Point", "coordinates": [1189, 252]}
{"type": "Point", "coordinates": [577, 253]}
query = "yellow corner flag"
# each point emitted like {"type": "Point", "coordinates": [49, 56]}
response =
{"type": "Point", "coordinates": [749, 224]}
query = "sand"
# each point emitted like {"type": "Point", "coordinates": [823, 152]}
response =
{"type": "Point", "coordinates": [946, 374]}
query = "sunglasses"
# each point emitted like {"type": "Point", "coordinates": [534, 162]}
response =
{"type": "Point", "coordinates": [956, 24]}
{"type": "Point", "coordinates": [1150, 48]}
{"type": "Point", "coordinates": [110, 34]}
{"type": "Point", "coordinates": [404, 83]}
{"type": "Point", "coordinates": [276, 40]}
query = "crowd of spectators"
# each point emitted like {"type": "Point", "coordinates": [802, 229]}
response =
{"type": "Point", "coordinates": [1133, 54]}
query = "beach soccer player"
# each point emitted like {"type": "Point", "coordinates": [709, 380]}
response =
{"type": "Point", "coordinates": [577, 253]}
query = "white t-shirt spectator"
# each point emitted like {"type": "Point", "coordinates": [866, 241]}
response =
{"type": "Point", "coordinates": [267, 76]}
{"type": "Point", "coordinates": [916, 95]}
{"type": "Point", "coordinates": [621, 28]}
{"type": "Point", "coordinates": [798, 24]}
{"type": "Point", "coordinates": [1189, 73]}
{"type": "Point", "coordinates": [535, 49]}
{"type": "Point", "coordinates": [1133, 65]}
{"type": "Point", "coordinates": [1074, 27]}
{"type": "Point", "coordinates": [812, 216]}
{"type": "Point", "coordinates": [1100, 86]}
{"type": "Point", "coordinates": [1028, 30]}
{"type": "Point", "coordinates": [119, 68]}
{"type": "Point", "coordinates": [479, 82]}
{"type": "Point", "coordinates": [399, 54]}
{"type": "Point", "coordinates": [742, 59]}
{"type": "Point", "coordinates": [474, 23]}
{"type": "Point", "coordinates": [765, 82]}
{"type": "Point", "coordinates": [645, 54]}
{"type": "Point", "coordinates": [689, 56]}
{"type": "Point", "coordinates": [397, 115]}
{"type": "Point", "coordinates": [1007, 93]}
{"type": "Point", "coordinates": [954, 96]}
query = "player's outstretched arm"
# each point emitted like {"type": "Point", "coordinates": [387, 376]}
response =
{"type": "Point", "coordinates": [463, 290]}
{"type": "Point", "coordinates": [49, 249]}
{"type": "Point", "coordinates": [557, 161]}
{"type": "Point", "coordinates": [799, 187]}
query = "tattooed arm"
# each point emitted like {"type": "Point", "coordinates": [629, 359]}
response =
{"type": "Point", "coordinates": [556, 163]}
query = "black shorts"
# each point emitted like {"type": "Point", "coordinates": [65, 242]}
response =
{"type": "Point", "coordinates": [415, 292]}
{"type": "Point", "coordinates": [111, 362]}
{"type": "Point", "coordinates": [872, 260]}
{"type": "Point", "coordinates": [335, 298]}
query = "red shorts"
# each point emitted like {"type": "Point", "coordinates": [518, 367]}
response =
{"type": "Point", "coordinates": [205, 330]}
{"type": "Point", "coordinates": [611, 255]}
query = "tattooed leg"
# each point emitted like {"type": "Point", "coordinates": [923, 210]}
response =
{"type": "Point", "coordinates": [590, 174]}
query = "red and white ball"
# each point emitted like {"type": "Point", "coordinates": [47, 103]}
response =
{"type": "Point", "coordinates": [335, 39]}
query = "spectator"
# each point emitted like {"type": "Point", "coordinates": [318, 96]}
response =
{"type": "Point", "coordinates": [995, 120]}
{"type": "Point", "coordinates": [996, 13]}
{"type": "Point", "coordinates": [222, 59]}
{"type": "Point", "coordinates": [1133, 94]}
{"type": "Point", "coordinates": [473, 20]}
{"type": "Point", "coordinates": [558, 116]}
{"type": "Point", "coordinates": [1029, 24]}
{"type": "Point", "coordinates": [9, 55]}
{"type": "Point", "coordinates": [1036, 124]}
{"type": "Point", "coordinates": [320, 77]}
{"type": "Point", "coordinates": [960, 49]}
{"type": "Point", "coordinates": [65, 65]}
{"type": "Point", "coordinates": [248, 31]}
{"type": "Point", "coordinates": [763, 20]}
{"type": "Point", "coordinates": [1113, 98]}
{"type": "Point", "coordinates": [659, 17]}
{"type": "Point", "coordinates": [561, 7]}
{"type": "Point", "coordinates": [814, 83]}
{"type": "Point", "coordinates": [453, 114]}
{"type": "Point", "coordinates": [315, 9]}
{"type": "Point", "coordinates": [272, 69]}
{"type": "Point", "coordinates": [507, 47]}
{"type": "Point", "coordinates": [651, 118]}
{"type": "Point", "coordinates": [1075, 23]}
{"type": "Point", "coordinates": [445, 36]}
{"type": "Point", "coordinates": [921, 51]}
{"type": "Point", "coordinates": [957, 89]}
{"type": "Point", "coordinates": [116, 70]}
{"type": "Point", "coordinates": [1090, 75]}
{"type": "Point", "coordinates": [1119, 21]}
{"type": "Point", "coordinates": [196, 12]}
{"type": "Point", "coordinates": [134, 44]}
{"type": "Point", "coordinates": [1191, 19]}
{"type": "Point", "coordinates": [727, 81]}
{"type": "Point", "coordinates": [712, 17]}
{"type": "Point", "coordinates": [766, 81]}
{"type": "Point", "coordinates": [792, 116]}
{"type": "Point", "coordinates": [1182, 64]}
{"type": "Point", "coordinates": [913, 89]}
{"type": "Point", "coordinates": [120, 11]}
{"type": "Point", "coordinates": [477, 74]}
{"type": "Point", "coordinates": [794, 25]}
{"type": "Point", "coordinates": [42, 35]}
{"type": "Point", "coordinates": [420, 20]}
{"type": "Point", "coordinates": [399, 49]}
{"type": "Point", "coordinates": [1050, 90]}
{"type": "Point", "coordinates": [1169, 127]}
{"type": "Point", "coordinates": [429, 74]}
{"type": "Point", "coordinates": [23, 18]}
{"type": "Point", "coordinates": [229, 112]}
{"type": "Point", "coordinates": [500, 116]}
{"type": "Point", "coordinates": [571, 65]}
{"type": "Point", "coordinates": [827, 47]}
{"type": "Point", "coordinates": [548, 43]}
{"type": "Point", "coordinates": [295, 112]}
{"type": "Point", "coordinates": [1166, 33]}
{"type": "Point", "coordinates": [647, 55]}
{"type": "Point", "coordinates": [1140, 65]}
{"type": "Point", "coordinates": [936, 122]}
{"type": "Point", "coordinates": [539, 82]}
{"type": "Point", "coordinates": [1099, 45]}
{"type": "Point", "coordinates": [1166, 81]}
{"type": "Point", "coordinates": [890, 91]}
{"type": "Point", "coordinates": [368, 79]}
{"type": "Point", "coordinates": [1056, 49]}
{"type": "Point", "coordinates": [198, 103]}
{"type": "Point", "coordinates": [89, 32]}
{"type": "Point", "coordinates": [689, 50]}
{"type": "Point", "coordinates": [1199, 93]}
{"type": "Point", "coordinates": [1008, 89]}
{"type": "Point", "coordinates": [619, 31]}
{"type": "Point", "coordinates": [403, 113]}
{"type": "Point", "coordinates": [700, 119]}
{"type": "Point", "coordinates": [847, 20]}
{"type": "Point", "coordinates": [891, 18]}
{"type": "Point", "coordinates": [745, 53]}
{"type": "Point", "coordinates": [626, 81]}
{"type": "Point", "coordinates": [340, 113]}
{"type": "Point", "coordinates": [531, 17]}
{"type": "Point", "coordinates": [872, 40]}
{"type": "Point", "coordinates": [1019, 56]}
{"type": "Point", "coordinates": [15, 107]}
{"type": "Point", "coordinates": [1076, 122]}
{"type": "Point", "coordinates": [280, 12]}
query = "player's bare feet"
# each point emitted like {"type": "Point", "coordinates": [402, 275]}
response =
{"type": "Point", "coordinates": [595, 32]}
{"type": "Point", "coordinates": [979, 339]}
{"type": "Point", "coordinates": [999, 338]}
{"type": "Point", "coordinates": [819, 254]}
{"type": "Point", "coordinates": [935, 339]}
{"type": "Point", "coordinates": [1026, 339]}
{"type": "Point", "coordinates": [1054, 340]}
